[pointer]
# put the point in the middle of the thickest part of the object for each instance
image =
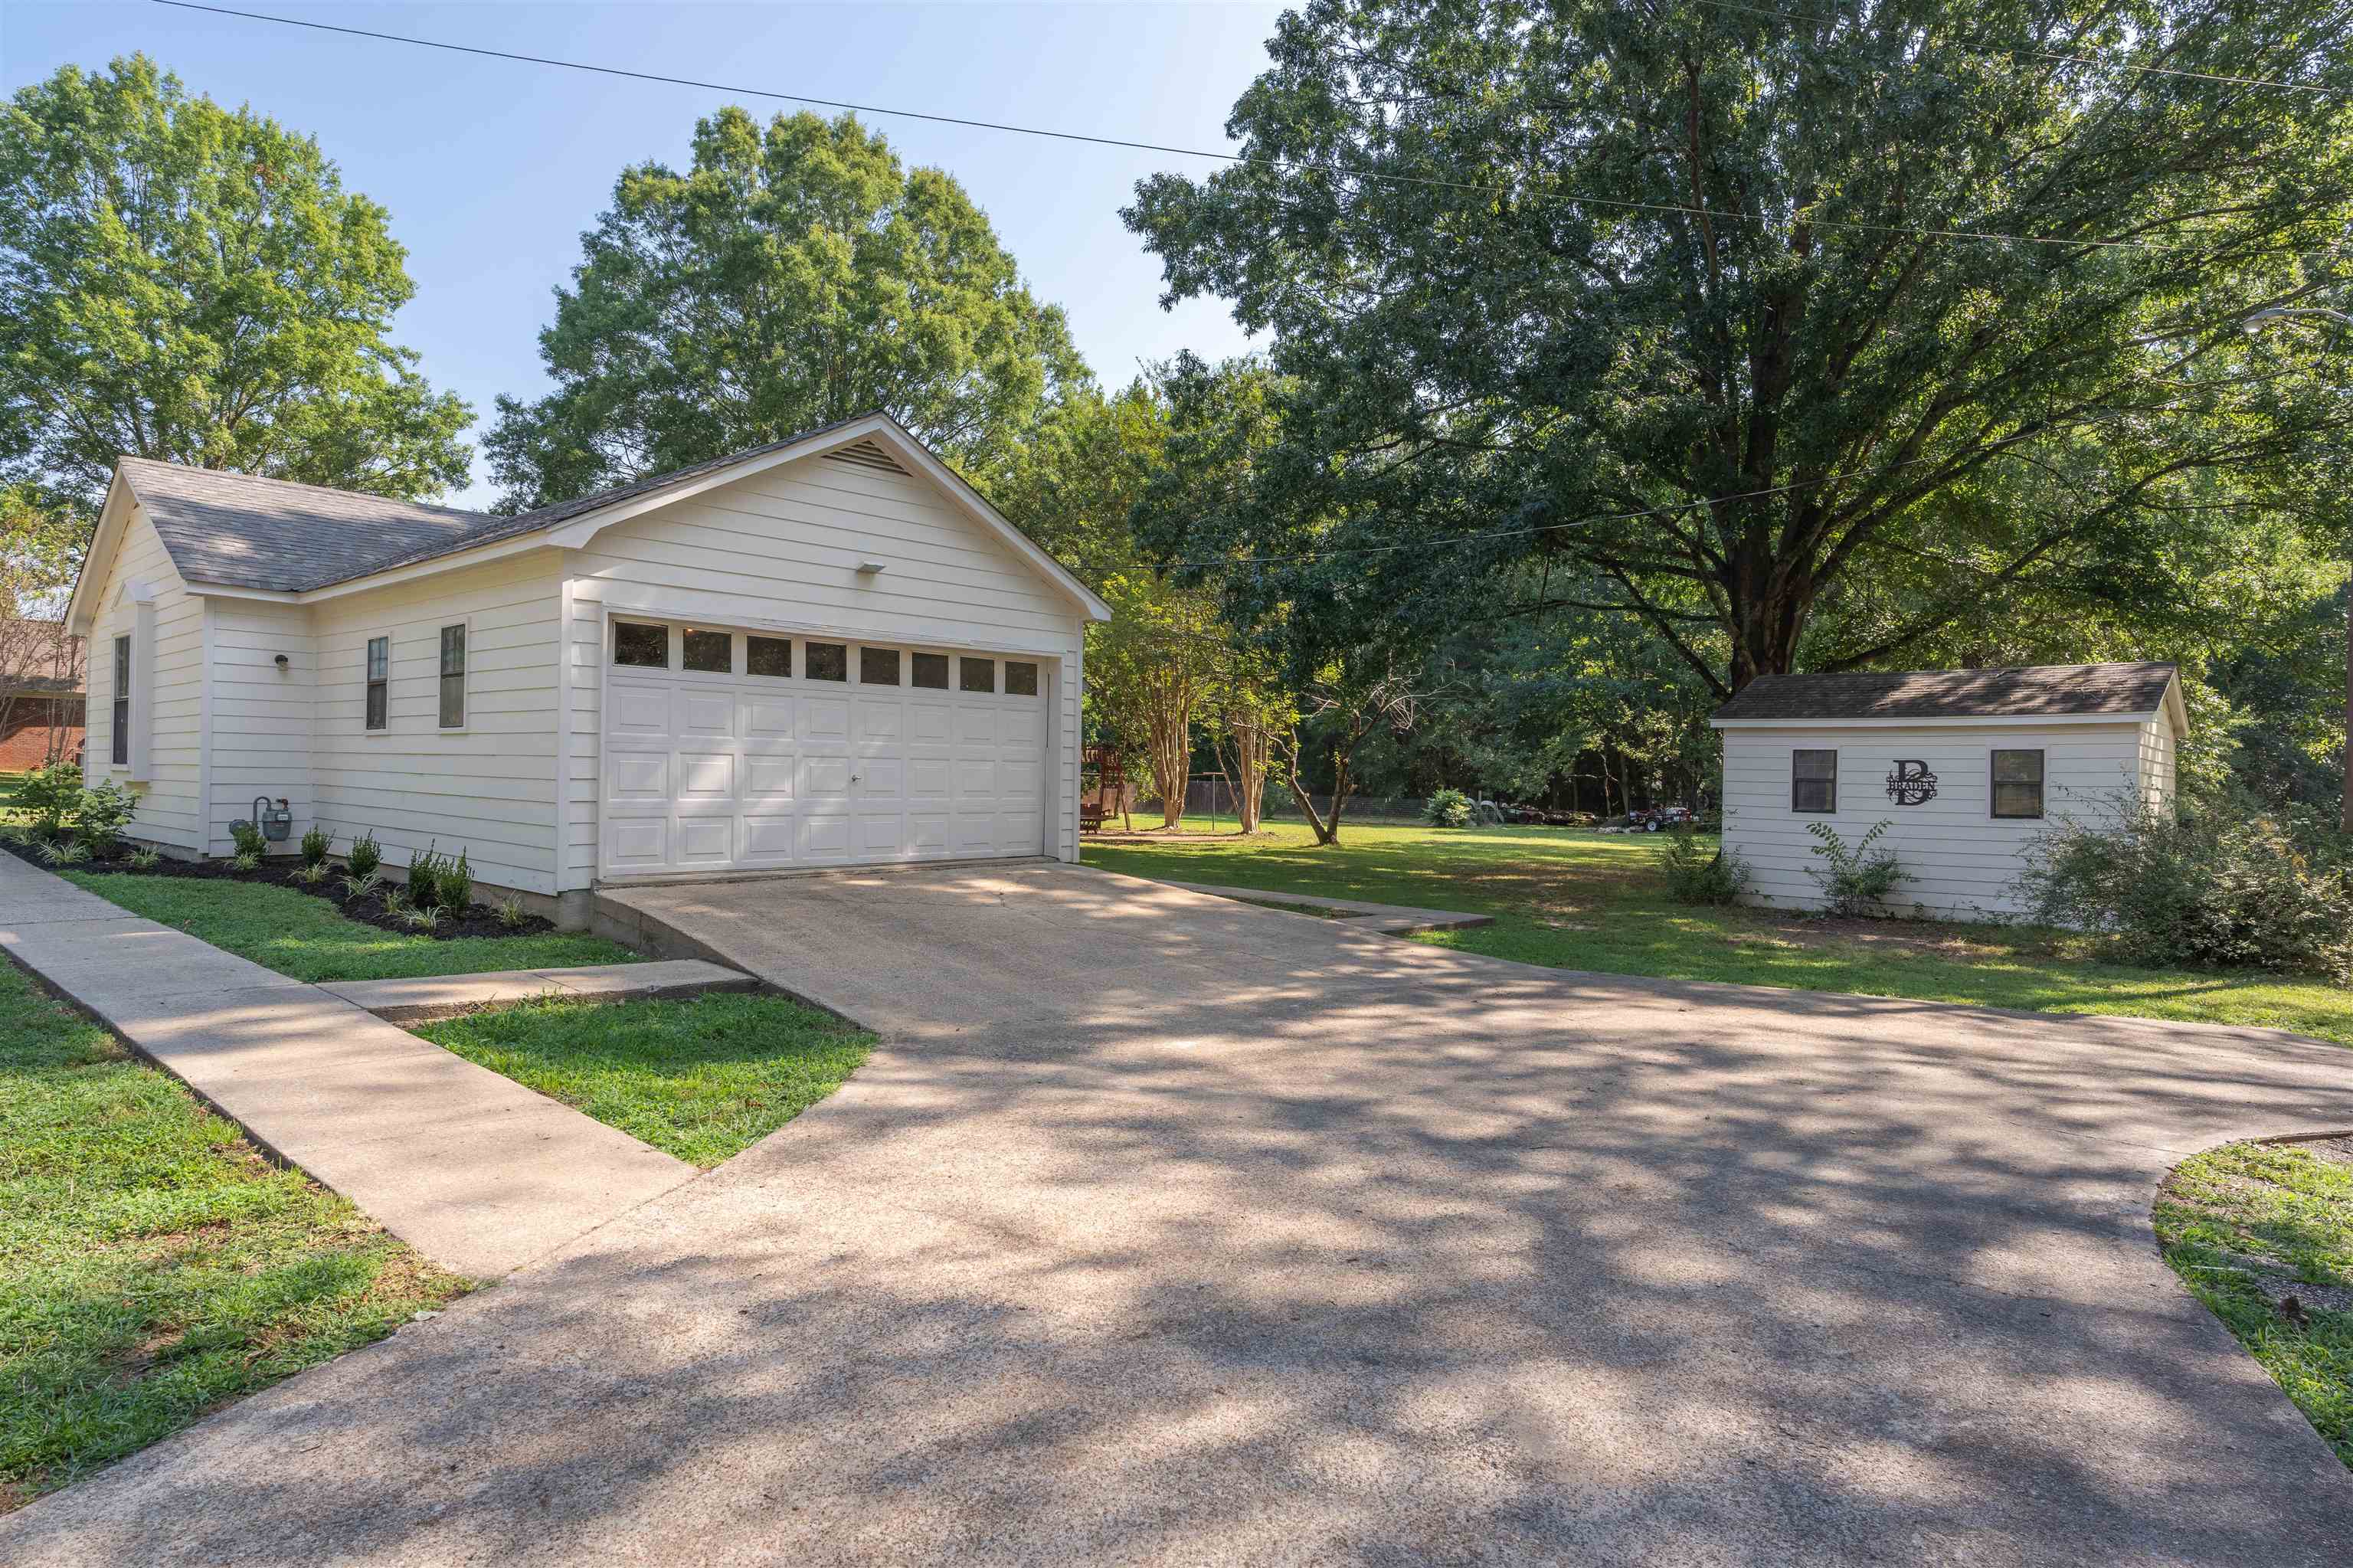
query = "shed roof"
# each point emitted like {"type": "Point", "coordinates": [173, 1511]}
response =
{"type": "Point", "coordinates": [2037, 691]}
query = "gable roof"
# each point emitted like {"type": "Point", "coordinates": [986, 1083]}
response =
{"type": "Point", "coordinates": [2028, 691]}
{"type": "Point", "coordinates": [273, 536]}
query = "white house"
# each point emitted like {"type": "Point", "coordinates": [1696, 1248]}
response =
{"type": "Point", "coordinates": [829, 651]}
{"type": "Point", "coordinates": [1964, 765]}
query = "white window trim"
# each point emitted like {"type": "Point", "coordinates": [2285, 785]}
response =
{"type": "Point", "coordinates": [392, 640]}
{"type": "Point", "coordinates": [140, 768]}
{"type": "Point", "coordinates": [441, 624]}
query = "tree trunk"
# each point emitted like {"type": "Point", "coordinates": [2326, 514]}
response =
{"type": "Point", "coordinates": [1324, 832]}
{"type": "Point", "coordinates": [1170, 728]}
{"type": "Point", "coordinates": [1249, 768]}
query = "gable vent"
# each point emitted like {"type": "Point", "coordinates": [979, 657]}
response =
{"type": "Point", "coordinates": [866, 455]}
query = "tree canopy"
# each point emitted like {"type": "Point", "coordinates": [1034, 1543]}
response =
{"type": "Point", "coordinates": [188, 283]}
{"type": "Point", "coordinates": [793, 275]}
{"type": "Point", "coordinates": [1683, 299]}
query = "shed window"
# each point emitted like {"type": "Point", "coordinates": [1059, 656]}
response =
{"type": "Point", "coordinates": [120, 742]}
{"type": "Point", "coordinates": [826, 661]}
{"type": "Point", "coordinates": [931, 671]}
{"type": "Point", "coordinates": [2018, 783]}
{"type": "Point", "coordinates": [637, 646]}
{"type": "Point", "coordinates": [379, 682]}
{"type": "Point", "coordinates": [768, 655]}
{"type": "Point", "coordinates": [453, 677]}
{"type": "Point", "coordinates": [1813, 781]}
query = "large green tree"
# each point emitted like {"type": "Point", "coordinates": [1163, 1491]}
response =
{"type": "Point", "coordinates": [1682, 297]}
{"type": "Point", "coordinates": [792, 275]}
{"type": "Point", "coordinates": [189, 283]}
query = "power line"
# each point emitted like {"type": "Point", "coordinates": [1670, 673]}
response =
{"type": "Point", "coordinates": [2059, 55]}
{"type": "Point", "coordinates": [1237, 158]}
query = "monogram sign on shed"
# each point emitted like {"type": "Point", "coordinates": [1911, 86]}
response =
{"type": "Point", "coordinates": [1909, 782]}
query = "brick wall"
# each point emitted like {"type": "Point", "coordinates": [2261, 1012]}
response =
{"type": "Point", "coordinates": [26, 742]}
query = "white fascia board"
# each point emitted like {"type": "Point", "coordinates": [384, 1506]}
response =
{"type": "Point", "coordinates": [222, 590]}
{"type": "Point", "coordinates": [578, 532]}
{"type": "Point", "coordinates": [1973, 721]}
{"type": "Point", "coordinates": [113, 519]}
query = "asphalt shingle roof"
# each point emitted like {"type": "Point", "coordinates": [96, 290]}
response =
{"type": "Point", "coordinates": [240, 530]}
{"type": "Point", "coordinates": [2032, 689]}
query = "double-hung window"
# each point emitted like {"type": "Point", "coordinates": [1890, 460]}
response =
{"type": "Point", "coordinates": [119, 741]}
{"type": "Point", "coordinates": [2018, 783]}
{"type": "Point", "coordinates": [453, 677]}
{"type": "Point", "coordinates": [379, 682]}
{"type": "Point", "coordinates": [1813, 781]}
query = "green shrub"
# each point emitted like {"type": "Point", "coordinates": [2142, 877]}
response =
{"type": "Point", "coordinates": [250, 844]}
{"type": "Point", "coordinates": [2215, 886]}
{"type": "Point", "coordinates": [1448, 809]}
{"type": "Point", "coordinates": [146, 858]}
{"type": "Point", "coordinates": [103, 813]}
{"type": "Point", "coordinates": [454, 883]}
{"type": "Point", "coordinates": [1855, 880]}
{"type": "Point", "coordinates": [366, 856]}
{"type": "Point", "coordinates": [66, 852]}
{"type": "Point", "coordinates": [1698, 873]}
{"type": "Point", "coordinates": [52, 794]}
{"type": "Point", "coordinates": [316, 842]}
{"type": "Point", "coordinates": [425, 877]}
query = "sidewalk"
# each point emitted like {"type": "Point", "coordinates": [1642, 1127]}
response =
{"type": "Point", "coordinates": [473, 1169]}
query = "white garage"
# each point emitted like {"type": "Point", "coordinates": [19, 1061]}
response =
{"type": "Point", "coordinates": [827, 652]}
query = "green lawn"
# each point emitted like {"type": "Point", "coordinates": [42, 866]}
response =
{"type": "Point", "coordinates": [153, 1265]}
{"type": "Point", "coordinates": [1572, 898]}
{"type": "Point", "coordinates": [2249, 1225]}
{"type": "Point", "coordinates": [308, 940]}
{"type": "Point", "coordinates": [703, 1078]}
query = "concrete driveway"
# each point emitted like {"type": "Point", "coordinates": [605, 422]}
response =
{"type": "Point", "coordinates": [1173, 1230]}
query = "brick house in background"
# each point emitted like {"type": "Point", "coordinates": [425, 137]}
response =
{"type": "Point", "coordinates": [41, 693]}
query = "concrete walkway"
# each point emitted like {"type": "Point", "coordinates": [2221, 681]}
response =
{"type": "Point", "coordinates": [445, 996]}
{"type": "Point", "coordinates": [476, 1172]}
{"type": "Point", "coordinates": [1163, 1229]}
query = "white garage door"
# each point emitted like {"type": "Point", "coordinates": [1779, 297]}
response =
{"type": "Point", "coordinates": [738, 751]}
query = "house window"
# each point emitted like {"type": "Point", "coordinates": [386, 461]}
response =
{"type": "Point", "coordinates": [1813, 781]}
{"type": "Point", "coordinates": [637, 646]}
{"type": "Point", "coordinates": [877, 666]}
{"type": "Point", "coordinates": [453, 677]}
{"type": "Point", "coordinates": [121, 741]}
{"type": "Point", "coordinates": [931, 672]}
{"type": "Point", "coordinates": [1020, 680]}
{"type": "Point", "coordinates": [379, 681]}
{"type": "Point", "coordinates": [768, 655]}
{"type": "Point", "coordinates": [2018, 783]}
{"type": "Point", "coordinates": [978, 675]}
{"type": "Point", "coordinates": [826, 661]}
{"type": "Point", "coordinates": [709, 652]}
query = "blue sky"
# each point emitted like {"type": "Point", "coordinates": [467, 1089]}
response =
{"type": "Point", "coordinates": [491, 169]}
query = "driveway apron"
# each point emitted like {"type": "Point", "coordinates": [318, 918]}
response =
{"type": "Point", "coordinates": [1169, 1229]}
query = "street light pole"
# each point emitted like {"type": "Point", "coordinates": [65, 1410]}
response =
{"type": "Point", "coordinates": [2288, 312]}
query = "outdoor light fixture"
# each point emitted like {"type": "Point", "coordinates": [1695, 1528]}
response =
{"type": "Point", "coordinates": [281, 661]}
{"type": "Point", "coordinates": [868, 568]}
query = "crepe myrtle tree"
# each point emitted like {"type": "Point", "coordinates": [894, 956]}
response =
{"type": "Point", "coordinates": [1695, 301]}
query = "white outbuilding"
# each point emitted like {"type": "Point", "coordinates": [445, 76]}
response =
{"type": "Point", "coordinates": [1964, 767]}
{"type": "Point", "coordinates": [830, 651]}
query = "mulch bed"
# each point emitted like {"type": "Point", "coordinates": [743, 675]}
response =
{"type": "Point", "coordinates": [478, 919]}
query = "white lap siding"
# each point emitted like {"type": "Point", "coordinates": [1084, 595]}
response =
{"type": "Point", "coordinates": [488, 789]}
{"type": "Point", "coordinates": [260, 729]}
{"type": "Point", "coordinates": [780, 551]}
{"type": "Point", "coordinates": [170, 798]}
{"type": "Point", "coordinates": [1963, 860]}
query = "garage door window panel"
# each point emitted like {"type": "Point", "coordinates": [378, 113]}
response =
{"type": "Point", "coordinates": [826, 660]}
{"type": "Point", "coordinates": [877, 666]}
{"type": "Point", "coordinates": [978, 675]}
{"type": "Point", "coordinates": [931, 672]}
{"type": "Point", "coordinates": [770, 656]}
{"type": "Point", "coordinates": [1021, 679]}
{"type": "Point", "coordinates": [637, 646]}
{"type": "Point", "coordinates": [708, 652]}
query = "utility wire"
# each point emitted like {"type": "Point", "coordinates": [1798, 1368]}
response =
{"type": "Point", "coordinates": [1237, 158]}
